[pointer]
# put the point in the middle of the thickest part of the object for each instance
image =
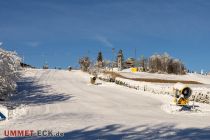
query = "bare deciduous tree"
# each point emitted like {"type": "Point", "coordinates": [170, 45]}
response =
{"type": "Point", "coordinates": [9, 72]}
{"type": "Point", "coordinates": [143, 63]}
{"type": "Point", "coordinates": [84, 63]}
{"type": "Point", "coordinates": [165, 64]}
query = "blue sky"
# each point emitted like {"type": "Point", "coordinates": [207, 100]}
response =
{"type": "Point", "coordinates": [61, 31]}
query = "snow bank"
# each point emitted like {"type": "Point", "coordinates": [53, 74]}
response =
{"type": "Point", "coordinates": [19, 111]}
{"type": "Point", "coordinates": [106, 77]}
{"type": "Point", "coordinates": [200, 94]}
{"type": "Point", "coordinates": [14, 113]}
{"type": "Point", "coordinates": [199, 109]}
{"type": "Point", "coordinates": [126, 70]}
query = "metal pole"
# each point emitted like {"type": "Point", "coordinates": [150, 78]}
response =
{"type": "Point", "coordinates": [113, 59]}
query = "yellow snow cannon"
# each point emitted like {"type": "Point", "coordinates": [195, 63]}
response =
{"type": "Point", "coordinates": [182, 94]}
{"type": "Point", "coordinates": [93, 80]}
{"type": "Point", "coordinates": [134, 69]}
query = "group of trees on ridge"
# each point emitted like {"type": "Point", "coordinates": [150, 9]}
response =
{"type": "Point", "coordinates": [154, 64]}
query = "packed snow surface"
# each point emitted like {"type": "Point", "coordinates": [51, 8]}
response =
{"type": "Point", "coordinates": [65, 101]}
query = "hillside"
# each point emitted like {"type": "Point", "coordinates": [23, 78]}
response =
{"type": "Point", "coordinates": [64, 101]}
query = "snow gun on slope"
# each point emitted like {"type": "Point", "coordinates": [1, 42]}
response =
{"type": "Point", "coordinates": [182, 94]}
{"type": "Point", "coordinates": [93, 80]}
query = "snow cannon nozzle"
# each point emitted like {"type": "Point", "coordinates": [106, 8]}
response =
{"type": "Point", "coordinates": [182, 94]}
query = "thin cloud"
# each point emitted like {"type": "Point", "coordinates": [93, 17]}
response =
{"type": "Point", "coordinates": [1, 43]}
{"type": "Point", "coordinates": [33, 44]}
{"type": "Point", "coordinates": [104, 41]}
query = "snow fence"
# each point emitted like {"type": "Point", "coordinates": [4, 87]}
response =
{"type": "Point", "coordinates": [199, 94]}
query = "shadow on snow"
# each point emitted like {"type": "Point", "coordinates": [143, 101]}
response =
{"type": "Point", "coordinates": [29, 92]}
{"type": "Point", "coordinates": [117, 132]}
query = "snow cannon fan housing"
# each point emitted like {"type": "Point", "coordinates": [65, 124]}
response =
{"type": "Point", "coordinates": [92, 79]}
{"type": "Point", "coordinates": [182, 94]}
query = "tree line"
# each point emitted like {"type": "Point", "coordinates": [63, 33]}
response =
{"type": "Point", "coordinates": [156, 63]}
{"type": "Point", "coordinates": [163, 64]}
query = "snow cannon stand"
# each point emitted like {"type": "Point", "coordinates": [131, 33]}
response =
{"type": "Point", "coordinates": [182, 94]}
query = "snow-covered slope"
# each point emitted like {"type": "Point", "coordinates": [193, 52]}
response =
{"type": "Point", "coordinates": [188, 77]}
{"type": "Point", "coordinates": [65, 101]}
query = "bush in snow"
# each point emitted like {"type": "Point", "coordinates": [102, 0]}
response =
{"type": "Point", "coordinates": [9, 66]}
